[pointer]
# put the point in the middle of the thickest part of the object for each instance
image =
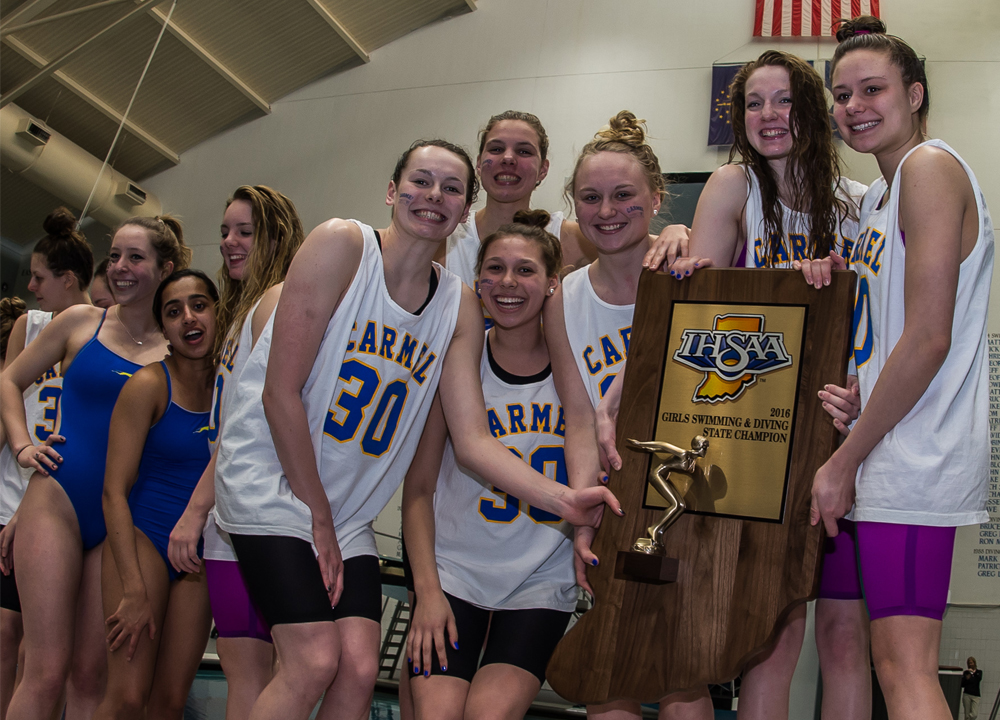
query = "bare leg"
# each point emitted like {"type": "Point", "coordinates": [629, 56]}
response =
{"type": "Point", "coordinates": [249, 666]}
{"type": "Point", "coordinates": [308, 655]}
{"type": "Point", "coordinates": [501, 691]}
{"type": "Point", "coordinates": [905, 649]}
{"type": "Point", "coordinates": [48, 556]}
{"type": "Point", "coordinates": [690, 705]}
{"type": "Point", "coordinates": [182, 645]}
{"type": "Point", "coordinates": [842, 642]}
{"type": "Point", "coordinates": [129, 681]}
{"type": "Point", "coordinates": [438, 697]}
{"type": "Point", "coordinates": [350, 695]}
{"type": "Point", "coordinates": [11, 632]}
{"type": "Point", "coordinates": [767, 681]}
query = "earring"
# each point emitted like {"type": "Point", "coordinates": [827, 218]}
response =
{"type": "Point", "coordinates": [656, 212]}
{"type": "Point", "coordinates": [551, 290]}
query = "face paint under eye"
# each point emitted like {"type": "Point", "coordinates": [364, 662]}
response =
{"type": "Point", "coordinates": [635, 209]}
{"type": "Point", "coordinates": [487, 162]}
{"type": "Point", "coordinates": [485, 281]}
{"type": "Point", "coordinates": [406, 196]}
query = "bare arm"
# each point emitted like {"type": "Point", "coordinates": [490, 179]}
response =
{"type": "Point", "coordinates": [935, 198]}
{"type": "Point", "coordinates": [578, 251]}
{"type": "Point", "coordinates": [317, 279]}
{"type": "Point", "coordinates": [717, 230]}
{"type": "Point", "coordinates": [140, 403]}
{"type": "Point", "coordinates": [57, 343]}
{"type": "Point", "coordinates": [183, 546]}
{"type": "Point", "coordinates": [476, 449]}
{"type": "Point", "coordinates": [432, 614]}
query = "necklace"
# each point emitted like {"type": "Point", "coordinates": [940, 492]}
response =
{"type": "Point", "coordinates": [118, 314]}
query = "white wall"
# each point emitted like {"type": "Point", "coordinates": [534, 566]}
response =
{"type": "Point", "coordinates": [332, 145]}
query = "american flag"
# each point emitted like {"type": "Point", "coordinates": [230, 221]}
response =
{"type": "Point", "coordinates": [804, 18]}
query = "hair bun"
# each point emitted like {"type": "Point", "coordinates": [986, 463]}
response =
{"type": "Point", "coordinates": [863, 25]}
{"type": "Point", "coordinates": [534, 218]}
{"type": "Point", "coordinates": [625, 128]}
{"type": "Point", "coordinates": [60, 223]}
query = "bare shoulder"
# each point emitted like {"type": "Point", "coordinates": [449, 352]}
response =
{"type": "Point", "coordinates": [470, 314]}
{"type": "Point", "coordinates": [933, 169]}
{"type": "Point", "coordinates": [730, 180]}
{"type": "Point", "coordinates": [147, 385]}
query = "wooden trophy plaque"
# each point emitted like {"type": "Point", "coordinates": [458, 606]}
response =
{"type": "Point", "coordinates": [720, 424]}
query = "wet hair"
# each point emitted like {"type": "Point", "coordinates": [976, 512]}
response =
{"type": "Point", "coordinates": [277, 236]}
{"type": "Point", "coordinates": [173, 277]}
{"type": "Point", "coordinates": [10, 310]}
{"type": "Point", "coordinates": [531, 120]}
{"type": "Point", "coordinates": [471, 187]}
{"type": "Point", "coordinates": [813, 169]}
{"type": "Point", "coordinates": [65, 249]}
{"type": "Point", "coordinates": [626, 134]}
{"type": "Point", "coordinates": [529, 224]}
{"type": "Point", "coordinates": [868, 33]}
{"type": "Point", "coordinates": [167, 238]}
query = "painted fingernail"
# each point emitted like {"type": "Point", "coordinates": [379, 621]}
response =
{"type": "Point", "coordinates": [416, 670]}
{"type": "Point", "coordinates": [444, 668]}
{"type": "Point", "coordinates": [594, 562]}
{"type": "Point", "coordinates": [687, 272]}
{"type": "Point", "coordinates": [455, 644]}
{"type": "Point", "coordinates": [427, 673]}
{"type": "Point", "coordinates": [604, 478]}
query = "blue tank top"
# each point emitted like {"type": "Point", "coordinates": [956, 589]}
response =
{"type": "Point", "coordinates": [173, 459]}
{"type": "Point", "coordinates": [90, 389]}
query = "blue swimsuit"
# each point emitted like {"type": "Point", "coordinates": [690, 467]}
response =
{"type": "Point", "coordinates": [173, 460]}
{"type": "Point", "coordinates": [90, 389]}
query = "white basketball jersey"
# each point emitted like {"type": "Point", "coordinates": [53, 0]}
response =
{"type": "Point", "coordinates": [933, 467]}
{"type": "Point", "coordinates": [366, 401]}
{"type": "Point", "coordinates": [217, 543]}
{"type": "Point", "coordinates": [493, 550]}
{"type": "Point", "coordinates": [41, 410]}
{"type": "Point", "coordinates": [796, 227]}
{"type": "Point", "coordinates": [598, 332]}
{"type": "Point", "coordinates": [462, 248]}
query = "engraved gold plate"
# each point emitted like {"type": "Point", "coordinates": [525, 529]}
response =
{"type": "Point", "coordinates": [731, 374]}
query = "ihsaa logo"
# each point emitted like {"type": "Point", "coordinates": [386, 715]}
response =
{"type": "Point", "coordinates": [732, 355]}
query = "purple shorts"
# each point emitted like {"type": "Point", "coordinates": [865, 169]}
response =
{"type": "Point", "coordinates": [905, 569]}
{"type": "Point", "coordinates": [840, 579]}
{"type": "Point", "coordinates": [234, 612]}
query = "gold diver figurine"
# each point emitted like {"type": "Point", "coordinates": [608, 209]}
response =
{"type": "Point", "coordinates": [684, 462]}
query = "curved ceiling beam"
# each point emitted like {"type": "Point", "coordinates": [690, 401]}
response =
{"type": "Point", "coordinates": [333, 22]}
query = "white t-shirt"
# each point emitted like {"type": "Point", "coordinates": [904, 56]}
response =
{"type": "Point", "coordinates": [933, 466]}
{"type": "Point", "coordinates": [366, 401]}
{"type": "Point", "coordinates": [41, 410]}
{"type": "Point", "coordinates": [493, 550]}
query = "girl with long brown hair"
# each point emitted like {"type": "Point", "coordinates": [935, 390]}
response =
{"type": "Point", "coordinates": [261, 233]}
{"type": "Point", "coordinates": [781, 201]}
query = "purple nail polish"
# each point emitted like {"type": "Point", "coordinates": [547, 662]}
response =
{"type": "Point", "coordinates": [594, 562]}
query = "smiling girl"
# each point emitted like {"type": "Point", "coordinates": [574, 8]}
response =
{"type": "Point", "coordinates": [61, 264]}
{"type": "Point", "coordinates": [916, 464]}
{"type": "Point", "coordinates": [342, 379]}
{"type": "Point", "coordinates": [512, 162]}
{"type": "Point", "coordinates": [60, 524]}
{"type": "Point", "coordinates": [489, 570]}
{"type": "Point", "coordinates": [260, 234]}
{"type": "Point", "coordinates": [157, 452]}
